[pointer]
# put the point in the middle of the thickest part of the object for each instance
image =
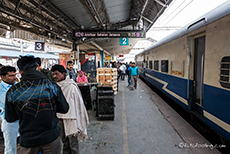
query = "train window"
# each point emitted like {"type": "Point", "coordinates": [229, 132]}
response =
{"type": "Point", "coordinates": [146, 64]}
{"type": "Point", "coordinates": [225, 72]}
{"type": "Point", "coordinates": [164, 66]}
{"type": "Point", "coordinates": [151, 64]}
{"type": "Point", "coordinates": [139, 63]}
{"type": "Point", "coordinates": [156, 65]}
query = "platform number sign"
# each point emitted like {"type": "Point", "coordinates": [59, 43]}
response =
{"type": "Point", "coordinates": [124, 41]}
{"type": "Point", "coordinates": [39, 46]}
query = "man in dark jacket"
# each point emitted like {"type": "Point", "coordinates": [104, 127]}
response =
{"type": "Point", "coordinates": [34, 102]}
{"type": "Point", "coordinates": [46, 72]}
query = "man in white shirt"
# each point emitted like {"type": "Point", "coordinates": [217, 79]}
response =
{"type": "Point", "coordinates": [123, 70]}
{"type": "Point", "coordinates": [10, 130]}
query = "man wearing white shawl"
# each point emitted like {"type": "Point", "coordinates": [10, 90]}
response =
{"type": "Point", "coordinates": [74, 123]}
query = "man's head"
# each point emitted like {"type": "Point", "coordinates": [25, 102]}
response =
{"type": "Point", "coordinates": [59, 72]}
{"type": "Point", "coordinates": [133, 64]}
{"type": "Point", "coordinates": [130, 63]}
{"type": "Point", "coordinates": [27, 63]}
{"type": "Point", "coordinates": [70, 65]}
{"type": "Point", "coordinates": [38, 63]}
{"type": "Point", "coordinates": [8, 74]}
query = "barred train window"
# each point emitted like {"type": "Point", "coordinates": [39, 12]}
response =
{"type": "Point", "coordinates": [151, 64]}
{"type": "Point", "coordinates": [164, 66]}
{"type": "Point", "coordinates": [156, 65]}
{"type": "Point", "coordinates": [225, 72]}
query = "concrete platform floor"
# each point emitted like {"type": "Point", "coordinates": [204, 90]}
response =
{"type": "Point", "coordinates": [143, 124]}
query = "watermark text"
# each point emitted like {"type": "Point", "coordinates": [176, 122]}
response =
{"type": "Point", "coordinates": [200, 145]}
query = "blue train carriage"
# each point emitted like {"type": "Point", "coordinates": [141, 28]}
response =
{"type": "Point", "coordinates": [192, 66]}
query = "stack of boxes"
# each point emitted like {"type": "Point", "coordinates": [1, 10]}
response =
{"type": "Point", "coordinates": [108, 76]}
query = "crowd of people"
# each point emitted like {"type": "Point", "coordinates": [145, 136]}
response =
{"type": "Point", "coordinates": [45, 107]}
{"type": "Point", "coordinates": [124, 69]}
{"type": "Point", "coordinates": [42, 109]}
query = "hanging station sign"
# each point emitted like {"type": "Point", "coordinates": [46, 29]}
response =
{"type": "Point", "coordinates": [110, 34]}
{"type": "Point", "coordinates": [124, 41]}
{"type": "Point", "coordinates": [39, 46]}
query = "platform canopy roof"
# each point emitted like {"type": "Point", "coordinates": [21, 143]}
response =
{"type": "Point", "coordinates": [60, 19]}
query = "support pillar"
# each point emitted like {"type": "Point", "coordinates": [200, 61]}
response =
{"type": "Point", "coordinates": [75, 48]}
{"type": "Point", "coordinates": [21, 48]}
{"type": "Point", "coordinates": [102, 58]}
{"type": "Point", "coordinates": [78, 61]}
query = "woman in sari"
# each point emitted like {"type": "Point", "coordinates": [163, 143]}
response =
{"type": "Point", "coordinates": [81, 77]}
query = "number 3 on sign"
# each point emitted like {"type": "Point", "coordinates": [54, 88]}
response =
{"type": "Point", "coordinates": [124, 41]}
{"type": "Point", "coordinates": [39, 46]}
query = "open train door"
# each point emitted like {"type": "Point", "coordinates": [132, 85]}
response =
{"type": "Point", "coordinates": [199, 57]}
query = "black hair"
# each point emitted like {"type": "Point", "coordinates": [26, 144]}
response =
{"type": "Point", "coordinates": [58, 68]}
{"type": "Point", "coordinates": [5, 69]}
{"type": "Point", "coordinates": [69, 62]}
{"type": "Point", "coordinates": [38, 61]}
{"type": "Point", "coordinates": [27, 63]}
{"type": "Point", "coordinates": [0, 64]}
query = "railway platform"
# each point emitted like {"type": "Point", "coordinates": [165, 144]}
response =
{"type": "Point", "coordinates": [143, 124]}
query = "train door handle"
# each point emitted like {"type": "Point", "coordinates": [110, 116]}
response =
{"type": "Point", "coordinates": [194, 83]}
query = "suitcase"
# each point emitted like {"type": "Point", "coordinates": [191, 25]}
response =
{"type": "Point", "coordinates": [105, 103]}
{"type": "Point", "coordinates": [85, 92]}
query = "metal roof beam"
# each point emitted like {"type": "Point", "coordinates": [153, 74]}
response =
{"type": "Point", "coordinates": [142, 11]}
{"type": "Point", "coordinates": [52, 11]}
{"type": "Point", "coordinates": [162, 4]}
{"type": "Point", "coordinates": [39, 19]}
{"type": "Point", "coordinates": [100, 48]}
{"type": "Point", "coordinates": [38, 8]}
{"type": "Point", "coordinates": [158, 15]}
{"type": "Point", "coordinates": [137, 9]}
{"type": "Point", "coordinates": [102, 11]}
{"type": "Point", "coordinates": [144, 6]}
{"type": "Point", "coordinates": [146, 19]}
{"type": "Point", "coordinates": [69, 21]}
{"type": "Point", "coordinates": [16, 9]}
{"type": "Point", "coordinates": [91, 11]}
{"type": "Point", "coordinates": [148, 10]}
{"type": "Point", "coordinates": [96, 14]}
{"type": "Point", "coordinates": [98, 11]}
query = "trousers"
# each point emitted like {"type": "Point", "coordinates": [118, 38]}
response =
{"type": "Point", "coordinates": [129, 80]}
{"type": "Point", "coordinates": [134, 82]}
{"type": "Point", "coordinates": [10, 133]}
{"type": "Point", "coordinates": [50, 148]}
{"type": "Point", "coordinates": [70, 143]}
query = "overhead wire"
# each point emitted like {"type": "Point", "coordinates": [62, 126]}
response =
{"type": "Point", "coordinates": [179, 12]}
{"type": "Point", "coordinates": [168, 9]}
{"type": "Point", "coordinates": [165, 19]}
{"type": "Point", "coordinates": [158, 22]}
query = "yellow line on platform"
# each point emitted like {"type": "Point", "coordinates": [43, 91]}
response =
{"type": "Point", "coordinates": [125, 134]}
